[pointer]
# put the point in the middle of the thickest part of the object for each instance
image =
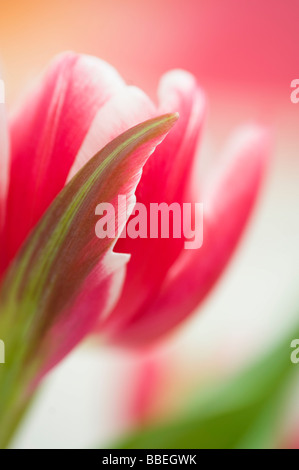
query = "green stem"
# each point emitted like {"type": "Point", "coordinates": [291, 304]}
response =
{"type": "Point", "coordinates": [16, 379]}
{"type": "Point", "coordinates": [11, 414]}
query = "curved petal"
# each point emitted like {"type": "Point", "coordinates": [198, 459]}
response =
{"type": "Point", "coordinates": [127, 108]}
{"type": "Point", "coordinates": [61, 280]}
{"type": "Point", "coordinates": [47, 132]}
{"type": "Point", "coordinates": [178, 90]}
{"type": "Point", "coordinates": [227, 204]}
{"type": "Point", "coordinates": [165, 178]}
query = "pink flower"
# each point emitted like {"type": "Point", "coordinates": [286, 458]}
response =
{"type": "Point", "coordinates": [164, 282]}
{"type": "Point", "coordinates": [56, 277]}
{"type": "Point", "coordinates": [50, 135]}
{"type": "Point", "coordinates": [57, 282]}
{"type": "Point", "coordinates": [77, 108]}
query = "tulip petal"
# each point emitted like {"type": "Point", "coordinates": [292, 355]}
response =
{"type": "Point", "coordinates": [228, 201]}
{"type": "Point", "coordinates": [62, 278]}
{"type": "Point", "coordinates": [165, 178]}
{"type": "Point", "coordinates": [127, 108]}
{"type": "Point", "coordinates": [47, 132]}
{"type": "Point", "coordinates": [179, 91]}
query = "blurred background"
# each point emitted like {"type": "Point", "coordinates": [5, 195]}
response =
{"type": "Point", "coordinates": [245, 55]}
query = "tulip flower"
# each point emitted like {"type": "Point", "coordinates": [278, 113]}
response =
{"type": "Point", "coordinates": [57, 278]}
{"type": "Point", "coordinates": [79, 138]}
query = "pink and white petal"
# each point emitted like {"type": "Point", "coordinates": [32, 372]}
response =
{"type": "Point", "coordinates": [78, 314]}
{"type": "Point", "coordinates": [165, 178]}
{"type": "Point", "coordinates": [228, 202]}
{"type": "Point", "coordinates": [4, 171]}
{"type": "Point", "coordinates": [61, 281]}
{"type": "Point", "coordinates": [47, 131]}
{"type": "Point", "coordinates": [125, 109]}
{"type": "Point", "coordinates": [178, 92]}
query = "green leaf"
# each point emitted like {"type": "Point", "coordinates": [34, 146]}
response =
{"type": "Point", "coordinates": [243, 413]}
